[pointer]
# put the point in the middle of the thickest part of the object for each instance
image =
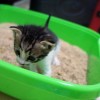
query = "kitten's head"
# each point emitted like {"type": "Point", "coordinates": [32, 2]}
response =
{"type": "Point", "coordinates": [32, 43]}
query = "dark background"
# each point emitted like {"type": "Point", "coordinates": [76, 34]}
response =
{"type": "Point", "coordinates": [77, 11]}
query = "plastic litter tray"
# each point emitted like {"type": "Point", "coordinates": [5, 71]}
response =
{"type": "Point", "coordinates": [26, 85]}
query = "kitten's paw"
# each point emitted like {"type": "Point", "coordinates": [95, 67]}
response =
{"type": "Point", "coordinates": [56, 61]}
{"type": "Point", "coordinates": [47, 73]}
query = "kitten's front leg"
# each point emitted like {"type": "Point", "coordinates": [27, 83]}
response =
{"type": "Point", "coordinates": [55, 60]}
{"type": "Point", "coordinates": [44, 66]}
{"type": "Point", "coordinates": [33, 67]}
{"type": "Point", "coordinates": [45, 70]}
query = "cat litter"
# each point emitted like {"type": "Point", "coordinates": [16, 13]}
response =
{"type": "Point", "coordinates": [73, 61]}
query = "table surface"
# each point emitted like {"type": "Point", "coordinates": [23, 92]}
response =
{"type": "Point", "coordinates": [5, 97]}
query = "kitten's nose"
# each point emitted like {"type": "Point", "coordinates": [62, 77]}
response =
{"type": "Point", "coordinates": [21, 64]}
{"type": "Point", "coordinates": [20, 61]}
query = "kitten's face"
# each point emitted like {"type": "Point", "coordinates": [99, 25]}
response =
{"type": "Point", "coordinates": [32, 44]}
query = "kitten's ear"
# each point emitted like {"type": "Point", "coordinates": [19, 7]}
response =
{"type": "Point", "coordinates": [16, 31]}
{"type": "Point", "coordinates": [47, 45]}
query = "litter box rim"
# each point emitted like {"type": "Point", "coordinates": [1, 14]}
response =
{"type": "Point", "coordinates": [86, 91]}
{"type": "Point", "coordinates": [75, 90]}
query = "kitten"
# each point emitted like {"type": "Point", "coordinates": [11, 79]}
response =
{"type": "Point", "coordinates": [35, 47]}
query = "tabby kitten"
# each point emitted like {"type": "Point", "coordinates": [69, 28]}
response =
{"type": "Point", "coordinates": [35, 47]}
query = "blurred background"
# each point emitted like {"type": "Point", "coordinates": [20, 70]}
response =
{"type": "Point", "coordinates": [83, 12]}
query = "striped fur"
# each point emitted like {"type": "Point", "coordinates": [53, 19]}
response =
{"type": "Point", "coordinates": [33, 43]}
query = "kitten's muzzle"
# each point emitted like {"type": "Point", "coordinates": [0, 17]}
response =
{"type": "Point", "coordinates": [22, 64]}
{"type": "Point", "coordinates": [21, 61]}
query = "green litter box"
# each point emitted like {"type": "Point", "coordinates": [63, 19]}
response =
{"type": "Point", "coordinates": [26, 85]}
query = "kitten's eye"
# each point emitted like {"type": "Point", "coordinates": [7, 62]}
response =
{"type": "Point", "coordinates": [17, 52]}
{"type": "Point", "coordinates": [31, 58]}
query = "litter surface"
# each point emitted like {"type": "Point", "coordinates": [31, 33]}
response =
{"type": "Point", "coordinates": [73, 60]}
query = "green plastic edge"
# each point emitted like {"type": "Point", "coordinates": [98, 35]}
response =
{"type": "Point", "coordinates": [89, 89]}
